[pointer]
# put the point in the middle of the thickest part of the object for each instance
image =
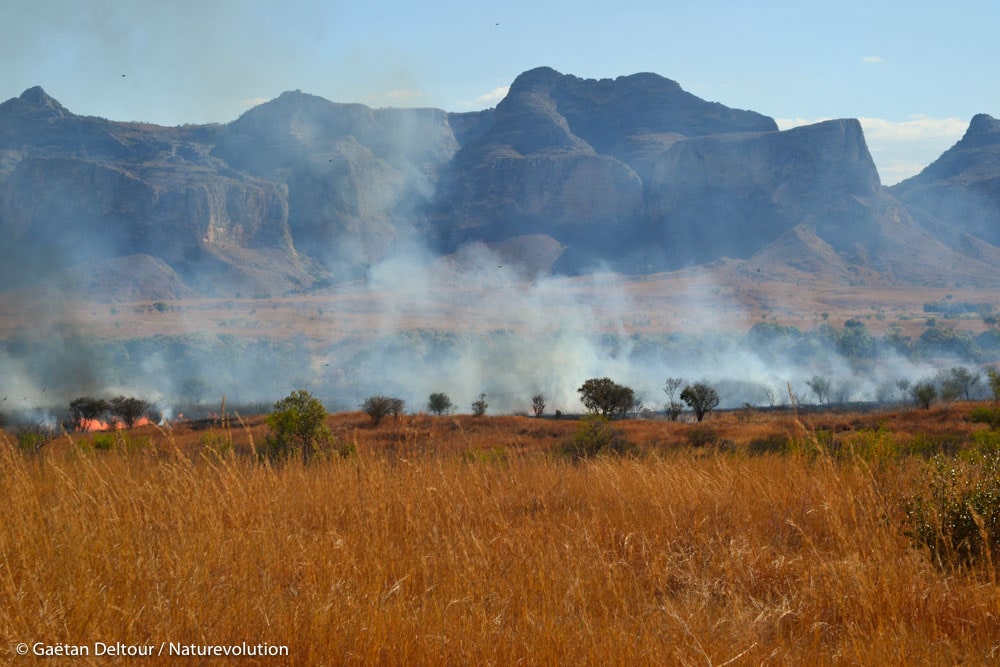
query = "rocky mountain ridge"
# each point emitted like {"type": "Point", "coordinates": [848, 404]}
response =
{"type": "Point", "coordinates": [565, 174]}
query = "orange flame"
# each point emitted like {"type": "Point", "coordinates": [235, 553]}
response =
{"type": "Point", "coordinates": [93, 425]}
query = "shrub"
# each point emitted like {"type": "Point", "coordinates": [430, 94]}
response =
{"type": "Point", "coordinates": [702, 435]}
{"type": "Point", "coordinates": [439, 403]}
{"type": "Point", "coordinates": [493, 455]}
{"type": "Point", "coordinates": [479, 406]}
{"type": "Point", "coordinates": [32, 437]}
{"type": "Point", "coordinates": [595, 436]}
{"type": "Point", "coordinates": [872, 444]}
{"type": "Point", "coordinates": [380, 406]}
{"type": "Point", "coordinates": [298, 426]}
{"type": "Point", "coordinates": [986, 415]}
{"type": "Point", "coordinates": [957, 516]}
{"type": "Point", "coordinates": [774, 443]}
{"type": "Point", "coordinates": [994, 380]}
{"type": "Point", "coordinates": [103, 441]}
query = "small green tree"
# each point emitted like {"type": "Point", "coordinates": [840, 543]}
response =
{"type": "Point", "coordinates": [957, 383]}
{"type": "Point", "coordinates": [380, 406]}
{"type": "Point", "coordinates": [439, 403]}
{"type": "Point", "coordinates": [701, 398]}
{"type": "Point", "coordinates": [298, 426]}
{"type": "Point", "coordinates": [923, 394]}
{"type": "Point", "coordinates": [607, 398]}
{"type": "Point", "coordinates": [479, 406]}
{"type": "Point", "coordinates": [994, 379]}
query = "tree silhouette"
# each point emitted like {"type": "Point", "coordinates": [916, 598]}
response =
{"type": "Point", "coordinates": [701, 398]}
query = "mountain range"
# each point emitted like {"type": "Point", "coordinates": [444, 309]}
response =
{"type": "Point", "coordinates": [565, 175]}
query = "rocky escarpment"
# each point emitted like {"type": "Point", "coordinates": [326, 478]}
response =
{"type": "Point", "coordinates": [960, 191]}
{"type": "Point", "coordinates": [565, 174]}
{"type": "Point", "coordinates": [637, 172]}
{"type": "Point", "coordinates": [730, 195]}
{"type": "Point", "coordinates": [354, 175]}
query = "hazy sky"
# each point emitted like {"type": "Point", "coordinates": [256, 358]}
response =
{"type": "Point", "coordinates": [914, 72]}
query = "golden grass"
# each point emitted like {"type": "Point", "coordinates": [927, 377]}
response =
{"type": "Point", "coordinates": [650, 305]}
{"type": "Point", "coordinates": [456, 540]}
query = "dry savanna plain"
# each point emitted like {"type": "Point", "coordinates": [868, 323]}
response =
{"type": "Point", "coordinates": [689, 301]}
{"type": "Point", "coordinates": [465, 540]}
{"type": "Point", "coordinates": [761, 536]}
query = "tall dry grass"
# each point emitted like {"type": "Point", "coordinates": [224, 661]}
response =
{"type": "Point", "coordinates": [457, 541]}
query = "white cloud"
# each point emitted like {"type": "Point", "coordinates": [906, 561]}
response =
{"type": "Point", "coordinates": [871, 59]}
{"type": "Point", "coordinates": [487, 100]}
{"type": "Point", "coordinates": [918, 128]}
{"type": "Point", "coordinates": [900, 149]}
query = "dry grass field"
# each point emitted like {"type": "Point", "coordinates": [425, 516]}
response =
{"type": "Point", "coordinates": [462, 540]}
{"type": "Point", "coordinates": [691, 301]}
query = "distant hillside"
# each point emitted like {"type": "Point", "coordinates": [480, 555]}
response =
{"type": "Point", "coordinates": [961, 189]}
{"type": "Point", "coordinates": [565, 174]}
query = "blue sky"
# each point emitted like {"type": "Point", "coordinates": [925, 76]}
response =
{"type": "Point", "coordinates": [914, 72]}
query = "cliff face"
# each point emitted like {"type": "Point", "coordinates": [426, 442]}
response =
{"type": "Point", "coordinates": [639, 173]}
{"type": "Point", "coordinates": [354, 175]}
{"type": "Point", "coordinates": [960, 191]}
{"type": "Point", "coordinates": [565, 174]}
{"type": "Point", "coordinates": [299, 189]}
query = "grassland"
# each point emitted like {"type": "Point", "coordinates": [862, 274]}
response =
{"type": "Point", "coordinates": [654, 304]}
{"type": "Point", "coordinates": [457, 540]}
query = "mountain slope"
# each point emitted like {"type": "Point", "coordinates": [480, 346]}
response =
{"type": "Point", "coordinates": [960, 191]}
{"type": "Point", "coordinates": [565, 174]}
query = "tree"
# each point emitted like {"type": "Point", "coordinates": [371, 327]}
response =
{"type": "Point", "coordinates": [298, 425]}
{"type": "Point", "coordinates": [379, 406]}
{"type": "Point", "coordinates": [960, 381]}
{"type": "Point", "coordinates": [769, 394]}
{"type": "Point", "coordinates": [701, 398]}
{"type": "Point", "coordinates": [86, 409]}
{"type": "Point", "coordinates": [994, 383]}
{"type": "Point", "coordinates": [672, 408]}
{"type": "Point", "coordinates": [129, 410]}
{"type": "Point", "coordinates": [904, 388]}
{"type": "Point", "coordinates": [439, 403]}
{"type": "Point", "coordinates": [538, 404]}
{"type": "Point", "coordinates": [923, 394]}
{"type": "Point", "coordinates": [821, 387]}
{"type": "Point", "coordinates": [606, 397]}
{"type": "Point", "coordinates": [479, 406]}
